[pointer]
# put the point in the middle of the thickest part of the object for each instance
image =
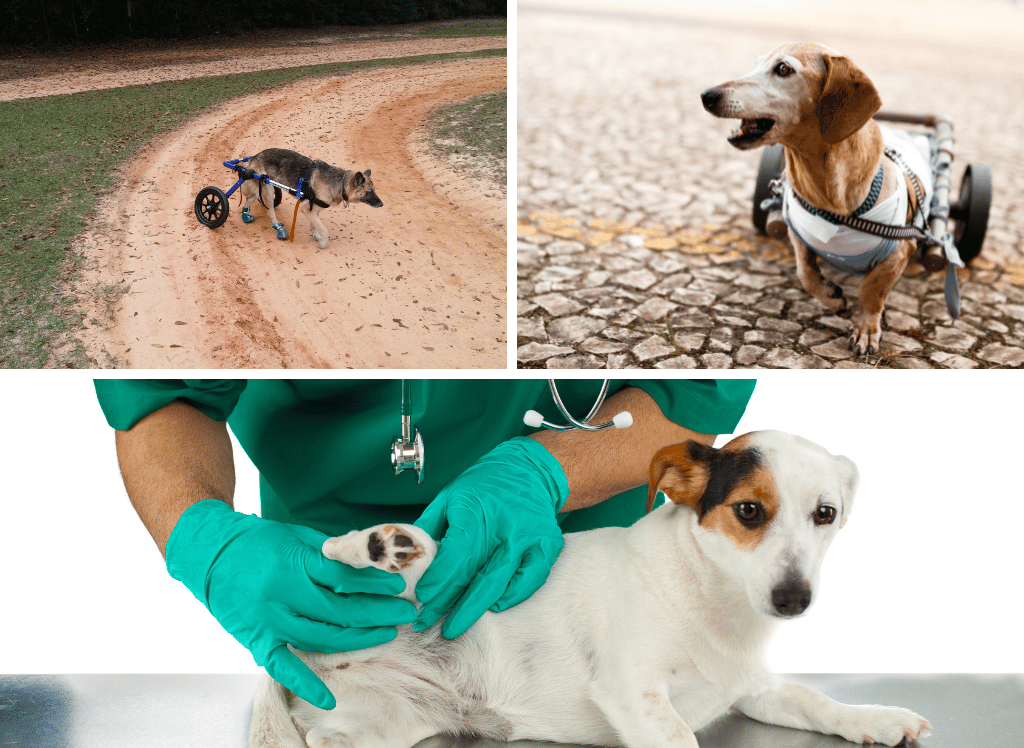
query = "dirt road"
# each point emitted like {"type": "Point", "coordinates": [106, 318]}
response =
{"type": "Point", "coordinates": [419, 283]}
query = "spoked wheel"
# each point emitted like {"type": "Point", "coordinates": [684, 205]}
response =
{"type": "Point", "coordinates": [773, 163]}
{"type": "Point", "coordinates": [970, 211]}
{"type": "Point", "coordinates": [211, 207]}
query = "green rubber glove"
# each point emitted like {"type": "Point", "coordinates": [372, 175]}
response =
{"type": "Point", "coordinates": [497, 532]}
{"type": "Point", "coordinates": [269, 585]}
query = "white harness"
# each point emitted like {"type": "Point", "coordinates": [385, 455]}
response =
{"type": "Point", "coordinates": [849, 249]}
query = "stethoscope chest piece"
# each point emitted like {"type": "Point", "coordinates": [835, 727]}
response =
{"type": "Point", "coordinates": [407, 450]}
{"type": "Point", "coordinates": [407, 454]}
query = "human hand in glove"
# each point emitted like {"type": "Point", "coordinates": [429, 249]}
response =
{"type": "Point", "coordinates": [497, 533]}
{"type": "Point", "coordinates": [269, 585]}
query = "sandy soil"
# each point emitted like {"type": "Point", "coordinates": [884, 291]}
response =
{"type": "Point", "coordinates": [419, 283]}
{"type": "Point", "coordinates": [33, 75]}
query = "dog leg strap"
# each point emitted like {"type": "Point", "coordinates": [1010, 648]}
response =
{"type": "Point", "coordinates": [294, 216]}
{"type": "Point", "coordinates": [952, 291]}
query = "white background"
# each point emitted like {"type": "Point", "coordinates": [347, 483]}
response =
{"type": "Point", "coordinates": [924, 578]}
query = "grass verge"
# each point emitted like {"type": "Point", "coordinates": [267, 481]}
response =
{"type": "Point", "coordinates": [58, 155]}
{"type": "Point", "coordinates": [473, 134]}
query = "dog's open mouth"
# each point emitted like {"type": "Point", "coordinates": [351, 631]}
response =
{"type": "Point", "coordinates": [750, 131]}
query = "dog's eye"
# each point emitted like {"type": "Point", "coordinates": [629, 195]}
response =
{"type": "Point", "coordinates": [783, 70]}
{"type": "Point", "coordinates": [749, 513]}
{"type": "Point", "coordinates": [825, 515]}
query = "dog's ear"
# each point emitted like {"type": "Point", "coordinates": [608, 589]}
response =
{"type": "Point", "coordinates": [366, 172]}
{"type": "Point", "coordinates": [358, 179]}
{"type": "Point", "coordinates": [849, 480]}
{"type": "Point", "coordinates": [848, 100]}
{"type": "Point", "coordinates": [681, 472]}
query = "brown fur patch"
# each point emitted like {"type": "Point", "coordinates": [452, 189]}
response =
{"type": "Point", "coordinates": [760, 488]}
{"type": "Point", "coordinates": [848, 99]}
{"type": "Point", "coordinates": [678, 475]}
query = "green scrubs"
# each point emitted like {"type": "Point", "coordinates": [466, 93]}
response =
{"type": "Point", "coordinates": [323, 447]}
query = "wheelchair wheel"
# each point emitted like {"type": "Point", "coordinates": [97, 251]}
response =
{"type": "Point", "coordinates": [211, 207]}
{"type": "Point", "coordinates": [970, 211]}
{"type": "Point", "coordinates": [773, 163]}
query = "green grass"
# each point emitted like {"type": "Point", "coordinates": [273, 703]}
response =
{"type": "Point", "coordinates": [58, 154]}
{"type": "Point", "coordinates": [475, 132]}
{"type": "Point", "coordinates": [469, 27]}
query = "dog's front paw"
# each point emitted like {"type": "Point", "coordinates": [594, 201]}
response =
{"type": "Point", "coordinates": [887, 725]}
{"type": "Point", "coordinates": [866, 336]}
{"type": "Point", "coordinates": [392, 548]}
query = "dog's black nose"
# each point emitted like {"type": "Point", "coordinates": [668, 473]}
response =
{"type": "Point", "coordinates": [791, 598]}
{"type": "Point", "coordinates": [710, 98]}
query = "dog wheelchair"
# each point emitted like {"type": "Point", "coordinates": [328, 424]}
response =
{"type": "Point", "coordinates": [940, 244]}
{"type": "Point", "coordinates": [211, 205]}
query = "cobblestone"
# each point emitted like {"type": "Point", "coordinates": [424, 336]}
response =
{"type": "Point", "coordinates": [635, 245]}
{"type": "Point", "coordinates": [684, 310]}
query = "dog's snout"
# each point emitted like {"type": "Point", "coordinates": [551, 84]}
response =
{"type": "Point", "coordinates": [791, 597]}
{"type": "Point", "coordinates": [710, 98]}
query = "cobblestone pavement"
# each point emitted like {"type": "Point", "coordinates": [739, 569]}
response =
{"type": "Point", "coordinates": [635, 246]}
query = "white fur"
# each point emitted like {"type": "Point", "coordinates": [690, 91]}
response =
{"type": "Point", "coordinates": [640, 636]}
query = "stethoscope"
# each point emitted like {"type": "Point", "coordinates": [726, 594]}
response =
{"type": "Point", "coordinates": [536, 420]}
{"type": "Point", "coordinates": [407, 450]}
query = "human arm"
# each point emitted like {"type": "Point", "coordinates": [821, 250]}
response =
{"type": "Point", "coordinates": [267, 583]}
{"type": "Point", "coordinates": [602, 464]}
{"type": "Point", "coordinates": [172, 459]}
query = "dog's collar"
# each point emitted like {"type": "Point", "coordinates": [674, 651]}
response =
{"type": "Point", "coordinates": [868, 204]}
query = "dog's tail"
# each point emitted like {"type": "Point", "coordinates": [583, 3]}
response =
{"type": "Point", "coordinates": [272, 725]}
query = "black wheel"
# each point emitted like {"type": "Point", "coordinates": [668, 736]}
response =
{"type": "Point", "coordinates": [970, 211]}
{"type": "Point", "coordinates": [211, 207]}
{"type": "Point", "coordinates": [773, 163]}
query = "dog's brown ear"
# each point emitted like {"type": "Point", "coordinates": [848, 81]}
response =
{"type": "Point", "coordinates": [848, 100]}
{"type": "Point", "coordinates": [358, 179]}
{"type": "Point", "coordinates": [681, 472]}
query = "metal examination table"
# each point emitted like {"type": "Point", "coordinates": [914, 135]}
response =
{"type": "Point", "coordinates": [213, 711]}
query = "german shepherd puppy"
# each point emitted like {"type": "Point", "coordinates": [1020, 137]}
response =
{"type": "Point", "coordinates": [329, 184]}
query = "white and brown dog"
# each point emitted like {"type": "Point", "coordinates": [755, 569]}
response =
{"type": "Point", "coordinates": [819, 106]}
{"type": "Point", "coordinates": [640, 636]}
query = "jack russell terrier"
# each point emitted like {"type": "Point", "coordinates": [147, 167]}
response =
{"type": "Point", "coordinates": [639, 637]}
{"type": "Point", "coordinates": [840, 164]}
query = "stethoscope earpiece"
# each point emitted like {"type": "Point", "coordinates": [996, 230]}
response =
{"type": "Point", "coordinates": [622, 420]}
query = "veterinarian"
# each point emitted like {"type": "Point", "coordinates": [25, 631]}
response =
{"type": "Point", "coordinates": [496, 494]}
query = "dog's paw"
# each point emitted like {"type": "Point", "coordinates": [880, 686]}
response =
{"type": "Point", "coordinates": [866, 337]}
{"type": "Point", "coordinates": [392, 548]}
{"type": "Point", "coordinates": [885, 725]}
{"type": "Point", "coordinates": [320, 737]}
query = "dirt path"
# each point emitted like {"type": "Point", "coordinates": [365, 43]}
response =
{"type": "Point", "coordinates": [418, 283]}
{"type": "Point", "coordinates": [44, 75]}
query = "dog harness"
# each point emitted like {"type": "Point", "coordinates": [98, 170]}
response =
{"type": "Point", "coordinates": [857, 243]}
